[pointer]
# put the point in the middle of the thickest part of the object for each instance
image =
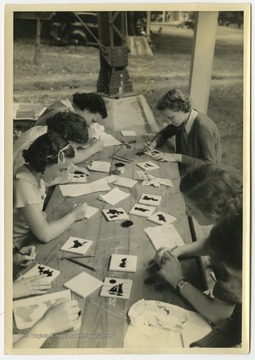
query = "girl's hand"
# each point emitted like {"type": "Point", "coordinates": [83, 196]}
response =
{"type": "Point", "coordinates": [150, 145]}
{"type": "Point", "coordinates": [168, 157]}
{"type": "Point", "coordinates": [77, 169]}
{"type": "Point", "coordinates": [35, 285]}
{"type": "Point", "coordinates": [64, 178]}
{"type": "Point", "coordinates": [61, 317]}
{"type": "Point", "coordinates": [159, 254]}
{"type": "Point", "coordinates": [79, 211]}
{"type": "Point", "coordinates": [171, 269]}
{"type": "Point", "coordinates": [24, 260]}
{"type": "Point", "coordinates": [97, 146]}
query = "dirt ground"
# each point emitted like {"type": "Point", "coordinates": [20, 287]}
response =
{"type": "Point", "coordinates": [66, 70]}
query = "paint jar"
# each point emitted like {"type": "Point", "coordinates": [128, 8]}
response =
{"type": "Point", "coordinates": [119, 168]}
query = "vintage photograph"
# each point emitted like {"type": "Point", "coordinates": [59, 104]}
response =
{"type": "Point", "coordinates": [128, 185]}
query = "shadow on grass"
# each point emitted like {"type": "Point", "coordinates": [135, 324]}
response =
{"type": "Point", "coordinates": [167, 44]}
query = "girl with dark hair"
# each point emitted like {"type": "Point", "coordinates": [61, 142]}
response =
{"type": "Point", "coordinates": [72, 128]}
{"type": "Point", "coordinates": [213, 196]}
{"type": "Point", "coordinates": [49, 156]}
{"type": "Point", "coordinates": [90, 106]}
{"type": "Point", "coordinates": [197, 139]}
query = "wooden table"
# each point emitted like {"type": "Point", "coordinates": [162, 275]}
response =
{"type": "Point", "coordinates": [104, 320]}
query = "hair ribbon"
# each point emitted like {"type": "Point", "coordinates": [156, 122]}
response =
{"type": "Point", "coordinates": [60, 155]}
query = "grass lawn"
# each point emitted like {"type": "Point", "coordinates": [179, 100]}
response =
{"type": "Point", "coordinates": [65, 70]}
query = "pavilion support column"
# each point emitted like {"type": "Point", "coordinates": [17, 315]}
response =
{"type": "Point", "coordinates": [202, 59]}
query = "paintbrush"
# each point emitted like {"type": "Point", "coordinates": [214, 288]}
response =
{"type": "Point", "coordinates": [19, 252]}
{"type": "Point", "coordinates": [77, 257]}
{"type": "Point", "coordinates": [81, 264]}
{"type": "Point", "coordinates": [154, 263]}
{"type": "Point", "coordinates": [120, 158]}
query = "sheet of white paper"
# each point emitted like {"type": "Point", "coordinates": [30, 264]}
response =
{"type": "Point", "coordinates": [83, 189]}
{"type": "Point", "coordinates": [100, 166]}
{"type": "Point", "coordinates": [125, 182]}
{"type": "Point", "coordinates": [109, 140]}
{"type": "Point", "coordinates": [110, 179]}
{"type": "Point", "coordinates": [164, 236]}
{"type": "Point", "coordinates": [114, 196]}
{"type": "Point", "coordinates": [128, 133]}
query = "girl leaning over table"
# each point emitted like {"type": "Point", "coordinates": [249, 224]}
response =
{"type": "Point", "coordinates": [197, 138]}
{"type": "Point", "coordinates": [70, 126]}
{"type": "Point", "coordinates": [49, 156]}
{"type": "Point", "coordinates": [212, 195]}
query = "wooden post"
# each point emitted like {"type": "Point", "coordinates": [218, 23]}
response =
{"type": "Point", "coordinates": [202, 59]}
{"type": "Point", "coordinates": [37, 57]}
{"type": "Point", "coordinates": [148, 23]}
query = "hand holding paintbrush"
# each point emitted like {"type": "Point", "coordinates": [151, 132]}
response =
{"type": "Point", "coordinates": [23, 257]}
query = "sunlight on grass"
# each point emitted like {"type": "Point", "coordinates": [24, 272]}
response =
{"type": "Point", "coordinates": [65, 70]}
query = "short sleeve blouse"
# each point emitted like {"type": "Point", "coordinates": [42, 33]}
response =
{"type": "Point", "coordinates": [23, 143]}
{"type": "Point", "coordinates": [27, 191]}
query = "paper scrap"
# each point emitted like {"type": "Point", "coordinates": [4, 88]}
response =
{"type": "Point", "coordinates": [114, 196]}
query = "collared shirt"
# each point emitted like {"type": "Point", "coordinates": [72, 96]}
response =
{"type": "Point", "coordinates": [193, 114]}
{"type": "Point", "coordinates": [27, 191]}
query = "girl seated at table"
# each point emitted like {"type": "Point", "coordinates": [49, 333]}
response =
{"type": "Point", "coordinates": [197, 138]}
{"type": "Point", "coordinates": [212, 195]}
{"type": "Point", "coordinates": [226, 248]}
{"type": "Point", "coordinates": [72, 128]}
{"type": "Point", "coordinates": [48, 156]}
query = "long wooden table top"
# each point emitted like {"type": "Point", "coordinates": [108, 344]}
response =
{"type": "Point", "coordinates": [104, 320]}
